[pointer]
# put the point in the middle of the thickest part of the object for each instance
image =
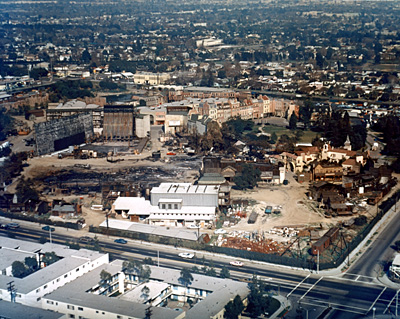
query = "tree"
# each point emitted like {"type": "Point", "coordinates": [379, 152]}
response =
{"type": "Point", "coordinates": [25, 191]}
{"type": "Point", "coordinates": [319, 60]}
{"type": "Point", "coordinates": [360, 220]}
{"type": "Point", "coordinates": [86, 57]}
{"type": "Point", "coordinates": [274, 138]}
{"type": "Point", "coordinates": [145, 292]}
{"type": "Point", "coordinates": [377, 59]}
{"type": "Point", "coordinates": [148, 261]}
{"type": "Point", "coordinates": [213, 137]}
{"type": "Point", "coordinates": [257, 301]}
{"type": "Point", "coordinates": [293, 121]}
{"type": "Point", "coordinates": [248, 178]}
{"type": "Point", "coordinates": [234, 308]}
{"type": "Point", "coordinates": [210, 271]}
{"type": "Point", "coordinates": [105, 277]}
{"type": "Point", "coordinates": [18, 269]}
{"type": "Point", "coordinates": [31, 263]}
{"type": "Point", "coordinates": [6, 122]}
{"type": "Point", "coordinates": [186, 277]}
{"type": "Point", "coordinates": [224, 273]}
{"type": "Point", "coordinates": [305, 113]}
{"type": "Point", "coordinates": [397, 245]}
{"type": "Point", "coordinates": [38, 73]}
{"type": "Point", "coordinates": [107, 84]}
{"type": "Point", "coordinates": [50, 258]}
{"type": "Point", "coordinates": [285, 143]}
{"type": "Point", "coordinates": [143, 271]}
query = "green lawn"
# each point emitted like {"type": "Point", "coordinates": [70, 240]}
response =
{"type": "Point", "coordinates": [307, 137]}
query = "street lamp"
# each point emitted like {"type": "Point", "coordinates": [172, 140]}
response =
{"type": "Point", "coordinates": [373, 313]}
{"type": "Point", "coordinates": [50, 230]}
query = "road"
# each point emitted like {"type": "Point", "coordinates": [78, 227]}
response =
{"type": "Point", "coordinates": [380, 251]}
{"type": "Point", "coordinates": [348, 297]}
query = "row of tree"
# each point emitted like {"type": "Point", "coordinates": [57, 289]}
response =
{"type": "Point", "coordinates": [30, 265]}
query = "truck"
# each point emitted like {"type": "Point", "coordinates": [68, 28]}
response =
{"type": "Point", "coordinates": [268, 210]}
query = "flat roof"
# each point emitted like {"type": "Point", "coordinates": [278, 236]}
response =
{"type": "Point", "coordinates": [51, 272]}
{"type": "Point", "coordinates": [132, 204]}
{"type": "Point", "coordinates": [154, 230]}
{"type": "Point", "coordinates": [16, 310]}
{"type": "Point", "coordinates": [222, 290]}
{"type": "Point", "coordinates": [20, 244]}
{"type": "Point", "coordinates": [136, 294]}
{"type": "Point", "coordinates": [74, 293]}
{"type": "Point", "coordinates": [170, 200]}
{"type": "Point", "coordinates": [185, 188]}
{"type": "Point", "coordinates": [8, 256]}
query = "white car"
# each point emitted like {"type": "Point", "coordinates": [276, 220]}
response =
{"type": "Point", "coordinates": [220, 231]}
{"type": "Point", "coordinates": [193, 226]}
{"type": "Point", "coordinates": [186, 255]}
{"type": "Point", "coordinates": [236, 263]}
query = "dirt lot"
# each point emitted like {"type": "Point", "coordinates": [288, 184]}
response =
{"type": "Point", "coordinates": [290, 198]}
{"type": "Point", "coordinates": [133, 168]}
{"type": "Point", "coordinates": [295, 209]}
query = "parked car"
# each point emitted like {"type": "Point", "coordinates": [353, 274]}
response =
{"type": "Point", "coordinates": [236, 263]}
{"type": "Point", "coordinates": [120, 241]}
{"type": "Point", "coordinates": [220, 231]}
{"type": "Point", "coordinates": [193, 226]}
{"type": "Point", "coordinates": [186, 255]}
{"type": "Point", "coordinates": [12, 226]}
{"type": "Point", "coordinates": [86, 240]}
{"type": "Point", "coordinates": [48, 228]}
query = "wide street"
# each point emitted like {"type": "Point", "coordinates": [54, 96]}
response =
{"type": "Point", "coordinates": [353, 295]}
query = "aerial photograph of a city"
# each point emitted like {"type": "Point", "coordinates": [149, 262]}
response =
{"type": "Point", "coordinates": [199, 159]}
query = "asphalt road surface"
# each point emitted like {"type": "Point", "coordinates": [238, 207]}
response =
{"type": "Point", "coordinates": [380, 251]}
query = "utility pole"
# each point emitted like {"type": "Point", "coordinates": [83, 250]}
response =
{"type": "Point", "coordinates": [107, 222]}
{"type": "Point", "coordinates": [317, 261]}
{"type": "Point", "coordinates": [12, 290]}
{"type": "Point", "coordinates": [148, 313]}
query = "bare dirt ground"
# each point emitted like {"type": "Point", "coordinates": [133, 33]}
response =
{"type": "Point", "coordinates": [290, 200]}
{"type": "Point", "coordinates": [51, 165]}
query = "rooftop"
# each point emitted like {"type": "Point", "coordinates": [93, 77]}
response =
{"type": "Point", "coordinates": [75, 293]}
{"type": "Point", "coordinates": [154, 230]}
{"type": "Point", "coordinates": [16, 310]}
{"type": "Point", "coordinates": [8, 256]}
{"type": "Point", "coordinates": [185, 188]}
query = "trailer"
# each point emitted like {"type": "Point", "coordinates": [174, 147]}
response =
{"type": "Point", "coordinates": [252, 218]}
